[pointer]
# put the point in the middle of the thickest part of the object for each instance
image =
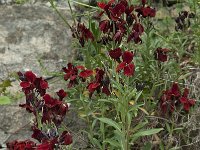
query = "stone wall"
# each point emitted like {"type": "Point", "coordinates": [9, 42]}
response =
{"type": "Point", "coordinates": [29, 33]}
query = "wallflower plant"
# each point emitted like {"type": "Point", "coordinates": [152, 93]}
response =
{"type": "Point", "coordinates": [124, 80]}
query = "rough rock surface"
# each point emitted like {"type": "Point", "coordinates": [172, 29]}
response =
{"type": "Point", "coordinates": [29, 33]}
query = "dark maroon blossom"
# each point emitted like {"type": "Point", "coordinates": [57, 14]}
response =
{"type": "Point", "coordinates": [172, 98]}
{"type": "Point", "coordinates": [146, 11]}
{"type": "Point", "coordinates": [85, 73]}
{"type": "Point", "coordinates": [118, 36]}
{"type": "Point", "coordinates": [135, 36]}
{"type": "Point", "coordinates": [175, 91]}
{"type": "Point", "coordinates": [137, 31]}
{"type": "Point", "coordinates": [71, 73]}
{"type": "Point", "coordinates": [82, 34]}
{"type": "Point", "coordinates": [187, 103]}
{"type": "Point", "coordinates": [62, 94]}
{"type": "Point", "coordinates": [117, 11]}
{"type": "Point", "coordinates": [115, 53]}
{"type": "Point", "coordinates": [21, 145]}
{"type": "Point", "coordinates": [161, 54]}
{"type": "Point", "coordinates": [100, 84]}
{"type": "Point", "coordinates": [38, 134]}
{"type": "Point", "coordinates": [104, 26]}
{"type": "Point", "coordinates": [65, 138]}
{"type": "Point", "coordinates": [144, 2]}
{"type": "Point", "coordinates": [126, 64]}
{"type": "Point", "coordinates": [127, 57]}
{"type": "Point", "coordinates": [54, 110]}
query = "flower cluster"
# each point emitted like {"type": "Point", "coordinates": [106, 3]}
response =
{"type": "Point", "coordinates": [47, 111]}
{"type": "Point", "coordinates": [75, 74]}
{"type": "Point", "coordinates": [46, 144]}
{"type": "Point", "coordinates": [183, 20]}
{"type": "Point", "coordinates": [72, 74]}
{"type": "Point", "coordinates": [100, 84]}
{"type": "Point", "coordinates": [126, 64]}
{"type": "Point", "coordinates": [123, 18]}
{"type": "Point", "coordinates": [82, 34]}
{"type": "Point", "coordinates": [172, 98]}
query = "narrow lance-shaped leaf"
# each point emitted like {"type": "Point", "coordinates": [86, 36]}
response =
{"type": "Point", "coordinates": [145, 133]}
{"type": "Point", "coordinates": [111, 123]}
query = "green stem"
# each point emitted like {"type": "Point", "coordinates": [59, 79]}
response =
{"type": "Point", "coordinates": [124, 116]}
{"type": "Point", "coordinates": [68, 1]}
{"type": "Point", "coordinates": [60, 15]}
{"type": "Point", "coordinates": [102, 128]}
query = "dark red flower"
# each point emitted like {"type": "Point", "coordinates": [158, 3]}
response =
{"type": "Point", "coordinates": [85, 73]}
{"type": "Point", "coordinates": [129, 69]}
{"type": "Point", "coordinates": [49, 101]}
{"type": "Point", "coordinates": [105, 90]}
{"type": "Point", "coordinates": [62, 94]}
{"type": "Point", "coordinates": [146, 11]}
{"type": "Point", "coordinates": [38, 134]}
{"type": "Point", "coordinates": [105, 6]}
{"type": "Point", "coordinates": [175, 91]}
{"type": "Point", "coordinates": [101, 83]}
{"type": "Point", "coordinates": [43, 84]}
{"type": "Point", "coordinates": [54, 110]}
{"type": "Point", "coordinates": [167, 102]}
{"type": "Point", "coordinates": [116, 11]}
{"type": "Point", "coordinates": [104, 26]}
{"type": "Point", "coordinates": [127, 57]}
{"type": "Point", "coordinates": [137, 27]}
{"type": "Point", "coordinates": [82, 34]}
{"type": "Point", "coordinates": [45, 146]}
{"type": "Point", "coordinates": [161, 54]}
{"type": "Point", "coordinates": [187, 103]}
{"type": "Point", "coordinates": [71, 74]}
{"type": "Point", "coordinates": [93, 86]}
{"type": "Point", "coordinates": [65, 138]}
{"type": "Point", "coordinates": [135, 36]}
{"type": "Point", "coordinates": [25, 84]}
{"type": "Point", "coordinates": [118, 36]}
{"type": "Point", "coordinates": [116, 53]}
{"type": "Point", "coordinates": [144, 2]}
{"type": "Point", "coordinates": [21, 145]}
{"type": "Point", "coordinates": [30, 76]}
{"type": "Point", "coordinates": [101, 5]}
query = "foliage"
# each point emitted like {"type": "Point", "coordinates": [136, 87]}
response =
{"type": "Point", "coordinates": [130, 75]}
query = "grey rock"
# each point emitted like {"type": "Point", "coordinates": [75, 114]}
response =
{"type": "Point", "coordinates": [30, 33]}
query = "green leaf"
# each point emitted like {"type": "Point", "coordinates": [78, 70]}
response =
{"type": "Point", "coordinates": [112, 142]}
{"type": "Point", "coordinates": [182, 77]}
{"type": "Point", "coordinates": [147, 132]}
{"type": "Point", "coordinates": [168, 127]}
{"type": "Point", "coordinates": [147, 146]}
{"type": "Point", "coordinates": [139, 126]}
{"type": "Point", "coordinates": [138, 95]}
{"type": "Point", "coordinates": [111, 123]}
{"type": "Point", "coordinates": [96, 142]}
{"type": "Point", "coordinates": [4, 100]}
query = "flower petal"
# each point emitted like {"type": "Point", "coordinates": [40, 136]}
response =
{"type": "Point", "coordinates": [129, 69]}
{"type": "Point", "coordinates": [116, 53]}
{"type": "Point", "coordinates": [44, 84]}
{"type": "Point", "coordinates": [127, 57]}
{"type": "Point", "coordinates": [86, 73]}
{"type": "Point", "coordinates": [25, 84]}
{"type": "Point", "coordinates": [120, 66]}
